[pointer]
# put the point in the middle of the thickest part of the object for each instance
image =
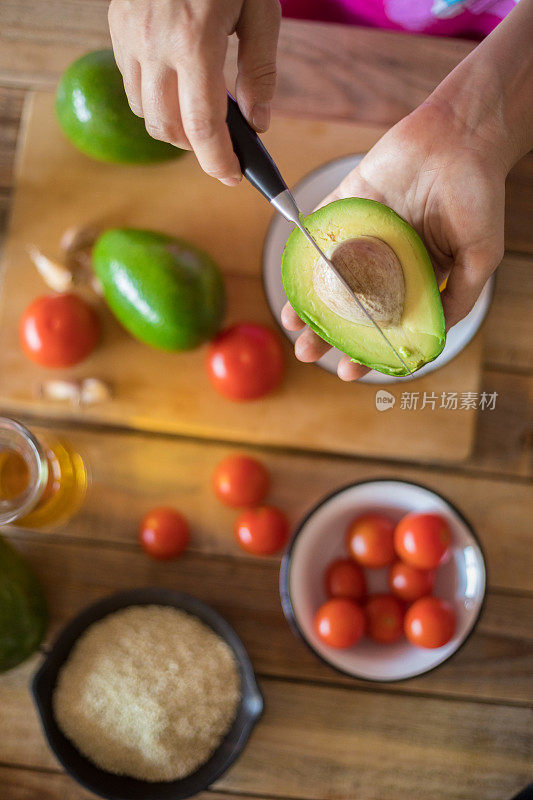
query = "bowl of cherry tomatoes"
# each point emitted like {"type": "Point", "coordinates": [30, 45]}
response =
{"type": "Point", "coordinates": [384, 580]}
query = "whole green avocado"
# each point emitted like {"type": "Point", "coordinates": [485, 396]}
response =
{"type": "Point", "coordinates": [93, 112]}
{"type": "Point", "coordinates": [23, 616]}
{"type": "Point", "coordinates": [165, 292]}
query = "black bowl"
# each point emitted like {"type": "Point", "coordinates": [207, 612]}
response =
{"type": "Point", "coordinates": [119, 787]}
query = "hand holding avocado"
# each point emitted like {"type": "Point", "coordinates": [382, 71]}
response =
{"type": "Point", "coordinates": [448, 192]}
{"type": "Point", "coordinates": [443, 169]}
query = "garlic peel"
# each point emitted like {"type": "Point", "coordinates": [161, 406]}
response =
{"type": "Point", "coordinates": [88, 391]}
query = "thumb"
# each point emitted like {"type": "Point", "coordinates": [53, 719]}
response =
{"type": "Point", "coordinates": [258, 30]}
{"type": "Point", "coordinates": [353, 185]}
{"type": "Point", "coordinates": [465, 282]}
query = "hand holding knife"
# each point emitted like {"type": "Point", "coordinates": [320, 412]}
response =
{"type": "Point", "coordinates": [259, 168]}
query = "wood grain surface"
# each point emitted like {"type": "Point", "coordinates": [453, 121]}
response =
{"type": "Point", "coordinates": [461, 732]}
{"type": "Point", "coordinates": [333, 741]}
{"type": "Point", "coordinates": [168, 391]}
{"type": "Point", "coordinates": [131, 473]}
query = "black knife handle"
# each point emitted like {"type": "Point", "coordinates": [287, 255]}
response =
{"type": "Point", "coordinates": [255, 160]}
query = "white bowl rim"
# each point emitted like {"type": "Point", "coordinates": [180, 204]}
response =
{"type": "Point", "coordinates": [284, 579]}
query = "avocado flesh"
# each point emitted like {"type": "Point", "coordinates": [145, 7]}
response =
{"type": "Point", "coordinates": [23, 616]}
{"type": "Point", "coordinates": [419, 336]}
{"type": "Point", "coordinates": [165, 292]}
{"type": "Point", "coordinates": [93, 111]}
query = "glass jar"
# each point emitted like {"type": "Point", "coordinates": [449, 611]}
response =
{"type": "Point", "coordinates": [43, 481]}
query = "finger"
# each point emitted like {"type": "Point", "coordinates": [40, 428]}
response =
{"type": "Point", "coordinates": [290, 319]}
{"type": "Point", "coordinates": [131, 75]}
{"type": "Point", "coordinates": [258, 30]}
{"type": "Point", "coordinates": [347, 370]}
{"type": "Point", "coordinates": [128, 66]}
{"type": "Point", "coordinates": [310, 347]}
{"type": "Point", "coordinates": [353, 185]}
{"type": "Point", "coordinates": [159, 94]}
{"type": "Point", "coordinates": [465, 282]}
{"type": "Point", "coordinates": [328, 199]}
{"type": "Point", "coordinates": [203, 103]}
{"type": "Point", "coordinates": [117, 25]}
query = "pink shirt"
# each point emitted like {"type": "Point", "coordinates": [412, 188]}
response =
{"type": "Point", "coordinates": [468, 18]}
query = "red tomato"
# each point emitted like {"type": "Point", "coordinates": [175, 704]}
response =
{"type": "Point", "coordinates": [384, 618]}
{"type": "Point", "coordinates": [340, 622]}
{"type": "Point", "coordinates": [345, 578]}
{"type": "Point", "coordinates": [429, 622]}
{"type": "Point", "coordinates": [262, 531]}
{"type": "Point", "coordinates": [245, 362]}
{"type": "Point", "coordinates": [423, 540]}
{"type": "Point", "coordinates": [409, 583]}
{"type": "Point", "coordinates": [370, 540]}
{"type": "Point", "coordinates": [59, 330]}
{"type": "Point", "coordinates": [240, 481]}
{"type": "Point", "coordinates": [164, 533]}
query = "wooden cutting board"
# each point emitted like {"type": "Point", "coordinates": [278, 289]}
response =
{"type": "Point", "coordinates": [169, 392]}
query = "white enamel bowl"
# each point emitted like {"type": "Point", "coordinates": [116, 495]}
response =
{"type": "Point", "coordinates": [308, 193]}
{"type": "Point", "coordinates": [320, 539]}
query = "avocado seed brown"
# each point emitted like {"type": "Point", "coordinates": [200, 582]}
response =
{"type": "Point", "coordinates": [374, 273]}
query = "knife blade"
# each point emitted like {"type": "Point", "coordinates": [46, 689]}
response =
{"type": "Point", "coordinates": [260, 169]}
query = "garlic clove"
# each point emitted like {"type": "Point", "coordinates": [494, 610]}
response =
{"type": "Point", "coordinates": [93, 390]}
{"type": "Point", "coordinates": [88, 391]}
{"type": "Point", "coordinates": [59, 389]}
{"type": "Point", "coordinates": [56, 275]}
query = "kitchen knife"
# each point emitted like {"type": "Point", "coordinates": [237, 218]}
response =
{"type": "Point", "coordinates": [259, 168]}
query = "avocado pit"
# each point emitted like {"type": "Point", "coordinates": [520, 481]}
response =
{"type": "Point", "coordinates": [374, 273]}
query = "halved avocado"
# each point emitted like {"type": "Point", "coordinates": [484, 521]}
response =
{"type": "Point", "coordinates": [386, 265]}
{"type": "Point", "coordinates": [93, 112]}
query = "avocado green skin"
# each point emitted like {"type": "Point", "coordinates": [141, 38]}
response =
{"type": "Point", "coordinates": [23, 616]}
{"type": "Point", "coordinates": [165, 292]}
{"type": "Point", "coordinates": [93, 112]}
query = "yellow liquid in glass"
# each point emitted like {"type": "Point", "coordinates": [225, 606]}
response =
{"type": "Point", "coordinates": [63, 494]}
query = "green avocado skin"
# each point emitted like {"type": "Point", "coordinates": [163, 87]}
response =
{"type": "Point", "coordinates": [165, 292]}
{"type": "Point", "coordinates": [23, 616]}
{"type": "Point", "coordinates": [93, 112]}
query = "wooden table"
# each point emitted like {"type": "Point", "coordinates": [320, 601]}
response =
{"type": "Point", "coordinates": [463, 731]}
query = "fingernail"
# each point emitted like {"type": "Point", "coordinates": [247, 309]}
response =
{"type": "Point", "coordinates": [261, 116]}
{"type": "Point", "coordinates": [233, 181]}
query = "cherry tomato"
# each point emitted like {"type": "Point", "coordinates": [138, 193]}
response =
{"type": "Point", "coordinates": [262, 531]}
{"type": "Point", "coordinates": [164, 533]}
{"type": "Point", "coordinates": [245, 362]}
{"type": "Point", "coordinates": [384, 618]}
{"type": "Point", "coordinates": [59, 330]}
{"type": "Point", "coordinates": [409, 583]}
{"type": "Point", "coordinates": [429, 622]}
{"type": "Point", "coordinates": [240, 481]}
{"type": "Point", "coordinates": [423, 540]}
{"type": "Point", "coordinates": [345, 578]}
{"type": "Point", "coordinates": [340, 622]}
{"type": "Point", "coordinates": [370, 540]}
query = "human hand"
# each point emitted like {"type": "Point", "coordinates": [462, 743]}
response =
{"type": "Point", "coordinates": [447, 181]}
{"type": "Point", "coordinates": [171, 55]}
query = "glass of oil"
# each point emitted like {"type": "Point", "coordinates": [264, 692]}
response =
{"type": "Point", "coordinates": [43, 479]}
